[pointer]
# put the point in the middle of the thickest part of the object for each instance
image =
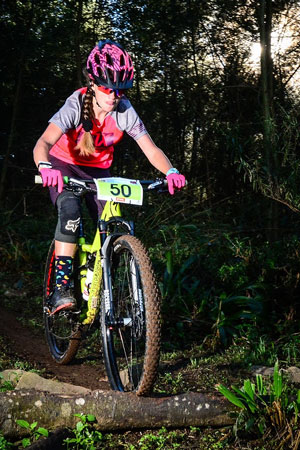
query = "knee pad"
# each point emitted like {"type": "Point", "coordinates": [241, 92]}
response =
{"type": "Point", "coordinates": [69, 215]}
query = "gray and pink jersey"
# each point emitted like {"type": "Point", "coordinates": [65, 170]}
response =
{"type": "Point", "coordinates": [105, 135]}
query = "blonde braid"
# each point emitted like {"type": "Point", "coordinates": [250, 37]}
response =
{"type": "Point", "coordinates": [86, 144]}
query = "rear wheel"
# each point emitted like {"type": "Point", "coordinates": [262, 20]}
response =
{"type": "Point", "coordinates": [131, 339]}
{"type": "Point", "coordinates": [62, 330]}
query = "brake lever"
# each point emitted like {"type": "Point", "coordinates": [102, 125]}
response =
{"type": "Point", "coordinates": [159, 182]}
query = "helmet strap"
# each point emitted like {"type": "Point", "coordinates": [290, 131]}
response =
{"type": "Point", "coordinates": [96, 100]}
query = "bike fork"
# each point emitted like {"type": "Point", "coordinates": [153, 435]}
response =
{"type": "Point", "coordinates": [106, 243]}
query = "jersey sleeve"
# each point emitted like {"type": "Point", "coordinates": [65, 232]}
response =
{"type": "Point", "coordinates": [131, 122]}
{"type": "Point", "coordinates": [69, 114]}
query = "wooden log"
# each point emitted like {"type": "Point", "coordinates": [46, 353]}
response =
{"type": "Point", "coordinates": [113, 410]}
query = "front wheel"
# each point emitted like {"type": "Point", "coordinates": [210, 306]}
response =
{"type": "Point", "coordinates": [131, 335]}
{"type": "Point", "coordinates": [62, 330]}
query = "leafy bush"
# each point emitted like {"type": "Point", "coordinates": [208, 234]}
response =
{"type": "Point", "coordinates": [218, 284]}
{"type": "Point", "coordinates": [85, 436]}
{"type": "Point", "coordinates": [4, 444]}
{"type": "Point", "coordinates": [161, 440]}
{"type": "Point", "coordinates": [5, 385]}
{"type": "Point", "coordinates": [266, 409]}
{"type": "Point", "coordinates": [34, 432]}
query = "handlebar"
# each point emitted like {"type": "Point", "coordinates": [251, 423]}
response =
{"type": "Point", "coordinates": [84, 186]}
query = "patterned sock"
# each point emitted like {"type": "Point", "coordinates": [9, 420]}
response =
{"type": "Point", "coordinates": [63, 270]}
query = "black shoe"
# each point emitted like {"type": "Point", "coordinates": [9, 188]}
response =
{"type": "Point", "coordinates": [62, 299]}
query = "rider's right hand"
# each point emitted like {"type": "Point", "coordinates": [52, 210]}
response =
{"type": "Point", "coordinates": [52, 177]}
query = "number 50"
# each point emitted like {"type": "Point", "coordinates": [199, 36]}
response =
{"type": "Point", "coordinates": [117, 189]}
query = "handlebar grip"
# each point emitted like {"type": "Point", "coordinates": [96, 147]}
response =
{"type": "Point", "coordinates": [38, 179]}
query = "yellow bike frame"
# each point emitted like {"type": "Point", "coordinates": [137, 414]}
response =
{"type": "Point", "coordinates": [111, 209]}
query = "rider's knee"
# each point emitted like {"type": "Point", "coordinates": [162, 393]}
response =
{"type": "Point", "coordinates": [69, 214]}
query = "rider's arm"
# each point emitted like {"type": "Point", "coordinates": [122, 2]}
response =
{"type": "Point", "coordinates": [49, 176]}
{"type": "Point", "coordinates": [154, 154]}
{"type": "Point", "coordinates": [45, 142]}
{"type": "Point", "coordinates": [159, 160]}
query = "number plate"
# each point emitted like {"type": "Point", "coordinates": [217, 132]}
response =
{"type": "Point", "coordinates": [120, 190]}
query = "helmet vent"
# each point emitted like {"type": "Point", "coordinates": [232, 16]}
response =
{"type": "Point", "coordinates": [110, 74]}
{"type": "Point", "coordinates": [109, 60]}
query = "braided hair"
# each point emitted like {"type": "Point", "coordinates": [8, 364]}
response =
{"type": "Point", "coordinates": [86, 144]}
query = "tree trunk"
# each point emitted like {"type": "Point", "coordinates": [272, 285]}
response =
{"type": "Point", "coordinates": [77, 42]}
{"type": "Point", "coordinates": [265, 28]}
{"type": "Point", "coordinates": [113, 410]}
{"type": "Point", "coordinates": [269, 128]}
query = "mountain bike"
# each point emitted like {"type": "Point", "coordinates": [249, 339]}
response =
{"type": "Point", "coordinates": [115, 288]}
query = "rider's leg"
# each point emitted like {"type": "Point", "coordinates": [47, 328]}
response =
{"type": "Point", "coordinates": [65, 248]}
{"type": "Point", "coordinates": [67, 230]}
{"type": "Point", "coordinates": [66, 235]}
{"type": "Point", "coordinates": [64, 252]}
{"type": "Point", "coordinates": [94, 206]}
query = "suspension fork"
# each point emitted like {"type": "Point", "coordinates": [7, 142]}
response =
{"type": "Point", "coordinates": [106, 253]}
{"type": "Point", "coordinates": [107, 239]}
{"type": "Point", "coordinates": [106, 249]}
{"type": "Point", "coordinates": [137, 294]}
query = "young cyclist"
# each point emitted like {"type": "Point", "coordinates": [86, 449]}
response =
{"type": "Point", "coordinates": [79, 142]}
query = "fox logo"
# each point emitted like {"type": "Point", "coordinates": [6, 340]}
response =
{"type": "Point", "coordinates": [72, 225]}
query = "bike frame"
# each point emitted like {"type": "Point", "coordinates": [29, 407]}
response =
{"type": "Point", "coordinates": [99, 248]}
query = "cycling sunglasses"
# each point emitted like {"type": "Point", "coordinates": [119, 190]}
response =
{"type": "Point", "coordinates": [108, 91]}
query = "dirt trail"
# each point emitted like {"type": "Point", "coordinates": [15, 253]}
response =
{"type": "Point", "coordinates": [32, 348]}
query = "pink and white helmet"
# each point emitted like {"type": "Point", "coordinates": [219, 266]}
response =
{"type": "Point", "coordinates": [109, 65]}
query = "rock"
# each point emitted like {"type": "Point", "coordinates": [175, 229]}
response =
{"type": "Point", "coordinates": [294, 374]}
{"type": "Point", "coordinates": [262, 370]}
{"type": "Point", "coordinates": [11, 375]}
{"type": "Point", "coordinates": [31, 380]}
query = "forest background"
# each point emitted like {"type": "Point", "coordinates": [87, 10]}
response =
{"type": "Point", "coordinates": [217, 85]}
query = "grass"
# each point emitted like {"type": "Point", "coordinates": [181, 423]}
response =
{"type": "Point", "coordinates": [164, 439]}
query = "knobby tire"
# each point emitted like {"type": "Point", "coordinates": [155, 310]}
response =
{"type": "Point", "coordinates": [131, 353]}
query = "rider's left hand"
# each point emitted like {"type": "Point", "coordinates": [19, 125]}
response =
{"type": "Point", "coordinates": [175, 180]}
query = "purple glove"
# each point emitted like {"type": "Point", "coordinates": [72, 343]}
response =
{"type": "Point", "coordinates": [52, 177]}
{"type": "Point", "coordinates": [175, 180]}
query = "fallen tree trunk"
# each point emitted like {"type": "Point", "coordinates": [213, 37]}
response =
{"type": "Point", "coordinates": [113, 410]}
